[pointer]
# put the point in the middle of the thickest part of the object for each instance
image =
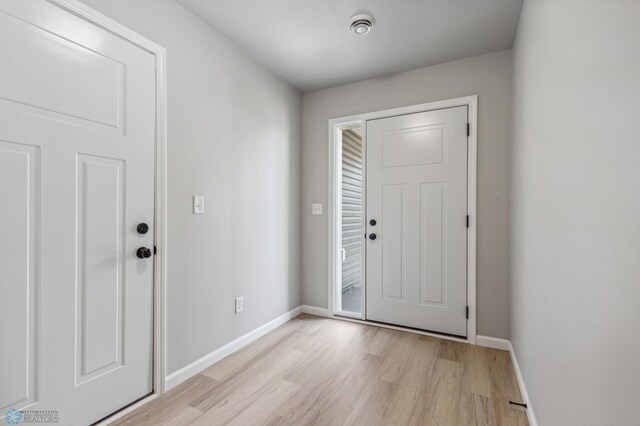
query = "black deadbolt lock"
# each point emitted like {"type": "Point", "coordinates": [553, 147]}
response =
{"type": "Point", "coordinates": [372, 236]}
{"type": "Point", "coordinates": [372, 222]}
{"type": "Point", "coordinates": [142, 228]}
{"type": "Point", "coordinates": [143, 253]}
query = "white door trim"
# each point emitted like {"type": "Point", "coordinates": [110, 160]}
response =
{"type": "Point", "coordinates": [336, 124]}
{"type": "Point", "coordinates": [159, 278]}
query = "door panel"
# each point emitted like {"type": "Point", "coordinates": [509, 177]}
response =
{"type": "Point", "coordinates": [432, 244]}
{"type": "Point", "coordinates": [417, 192]}
{"type": "Point", "coordinates": [19, 222]}
{"type": "Point", "coordinates": [392, 259]}
{"type": "Point", "coordinates": [77, 104]}
{"type": "Point", "coordinates": [100, 265]}
{"type": "Point", "coordinates": [412, 147]}
{"type": "Point", "coordinates": [58, 78]}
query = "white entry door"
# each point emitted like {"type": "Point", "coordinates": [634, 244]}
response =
{"type": "Point", "coordinates": [417, 199]}
{"type": "Point", "coordinates": [77, 154]}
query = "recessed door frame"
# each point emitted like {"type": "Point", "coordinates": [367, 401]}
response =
{"type": "Point", "coordinates": [336, 126]}
{"type": "Point", "coordinates": [160, 226]}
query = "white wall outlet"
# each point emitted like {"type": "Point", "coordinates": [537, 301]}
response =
{"type": "Point", "coordinates": [316, 209]}
{"type": "Point", "coordinates": [198, 204]}
{"type": "Point", "coordinates": [239, 304]}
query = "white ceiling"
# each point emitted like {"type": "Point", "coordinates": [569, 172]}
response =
{"type": "Point", "coordinates": [308, 42]}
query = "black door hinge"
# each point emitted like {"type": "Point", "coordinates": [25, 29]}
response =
{"type": "Point", "coordinates": [468, 129]}
{"type": "Point", "coordinates": [155, 250]}
{"type": "Point", "coordinates": [467, 221]}
{"type": "Point", "coordinates": [467, 312]}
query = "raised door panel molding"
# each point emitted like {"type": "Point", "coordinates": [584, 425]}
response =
{"type": "Point", "coordinates": [101, 259]}
{"type": "Point", "coordinates": [58, 79]}
{"type": "Point", "coordinates": [432, 244]}
{"type": "Point", "coordinates": [392, 227]}
{"type": "Point", "coordinates": [19, 274]}
{"type": "Point", "coordinates": [411, 147]}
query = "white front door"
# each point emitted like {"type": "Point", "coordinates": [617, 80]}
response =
{"type": "Point", "coordinates": [417, 196]}
{"type": "Point", "coordinates": [77, 153]}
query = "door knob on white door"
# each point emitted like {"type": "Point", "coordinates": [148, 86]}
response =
{"type": "Point", "coordinates": [143, 253]}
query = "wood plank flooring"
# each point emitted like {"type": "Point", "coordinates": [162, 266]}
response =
{"type": "Point", "coordinates": [318, 371]}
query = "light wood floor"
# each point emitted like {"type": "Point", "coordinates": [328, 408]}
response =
{"type": "Point", "coordinates": [317, 371]}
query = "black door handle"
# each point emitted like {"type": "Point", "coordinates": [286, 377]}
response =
{"type": "Point", "coordinates": [372, 237]}
{"type": "Point", "coordinates": [372, 222]}
{"type": "Point", "coordinates": [143, 253]}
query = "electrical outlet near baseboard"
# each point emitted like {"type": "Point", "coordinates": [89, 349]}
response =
{"type": "Point", "coordinates": [239, 304]}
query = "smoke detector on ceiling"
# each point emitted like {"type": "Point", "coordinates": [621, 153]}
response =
{"type": "Point", "coordinates": [361, 24]}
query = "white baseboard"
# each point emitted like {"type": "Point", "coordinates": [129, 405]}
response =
{"type": "Point", "coordinates": [523, 390]}
{"type": "Point", "coordinates": [504, 344]}
{"type": "Point", "coordinates": [493, 342]}
{"type": "Point", "coordinates": [314, 310]}
{"type": "Point", "coordinates": [199, 365]}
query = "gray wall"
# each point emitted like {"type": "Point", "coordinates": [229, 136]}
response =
{"type": "Point", "coordinates": [576, 210]}
{"type": "Point", "coordinates": [489, 76]}
{"type": "Point", "coordinates": [234, 137]}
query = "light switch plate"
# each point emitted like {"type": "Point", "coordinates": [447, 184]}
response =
{"type": "Point", "coordinates": [198, 204]}
{"type": "Point", "coordinates": [316, 209]}
{"type": "Point", "coordinates": [239, 304]}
